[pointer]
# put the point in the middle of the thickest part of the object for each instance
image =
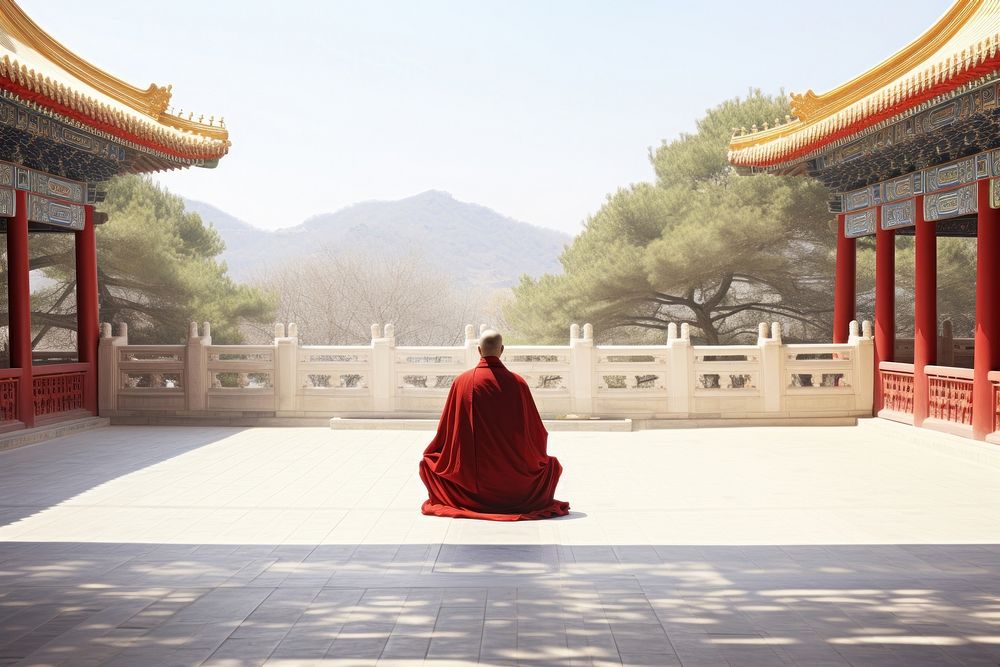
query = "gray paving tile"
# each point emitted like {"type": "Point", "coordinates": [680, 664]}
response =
{"type": "Point", "coordinates": [216, 546]}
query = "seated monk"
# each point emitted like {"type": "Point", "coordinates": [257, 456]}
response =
{"type": "Point", "coordinates": [488, 458]}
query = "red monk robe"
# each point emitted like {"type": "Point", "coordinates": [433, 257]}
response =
{"type": "Point", "coordinates": [488, 458]}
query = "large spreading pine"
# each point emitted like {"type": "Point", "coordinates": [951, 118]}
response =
{"type": "Point", "coordinates": [157, 271]}
{"type": "Point", "coordinates": [702, 244]}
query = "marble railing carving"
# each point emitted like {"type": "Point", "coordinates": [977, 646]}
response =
{"type": "Point", "coordinates": [674, 380]}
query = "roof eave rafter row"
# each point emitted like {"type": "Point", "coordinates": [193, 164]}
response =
{"type": "Point", "coordinates": [122, 126]}
{"type": "Point", "coordinates": [815, 128]}
{"type": "Point", "coordinates": [164, 161]}
{"type": "Point", "coordinates": [853, 133]}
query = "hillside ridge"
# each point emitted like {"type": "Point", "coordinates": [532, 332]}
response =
{"type": "Point", "coordinates": [471, 242]}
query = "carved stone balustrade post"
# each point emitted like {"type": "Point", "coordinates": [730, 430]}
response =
{"type": "Point", "coordinates": [863, 366]}
{"type": "Point", "coordinates": [196, 380]}
{"type": "Point", "coordinates": [680, 373]}
{"type": "Point", "coordinates": [772, 387]}
{"type": "Point", "coordinates": [109, 378]}
{"type": "Point", "coordinates": [581, 354]}
{"type": "Point", "coordinates": [471, 346]}
{"type": "Point", "coordinates": [286, 354]}
{"type": "Point", "coordinates": [383, 371]}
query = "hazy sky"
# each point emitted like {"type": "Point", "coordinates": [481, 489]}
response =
{"type": "Point", "coordinates": [536, 108]}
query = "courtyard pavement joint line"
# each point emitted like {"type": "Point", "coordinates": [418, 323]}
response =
{"type": "Point", "coordinates": [300, 546]}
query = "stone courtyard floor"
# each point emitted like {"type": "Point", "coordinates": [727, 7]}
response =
{"type": "Point", "coordinates": [304, 546]}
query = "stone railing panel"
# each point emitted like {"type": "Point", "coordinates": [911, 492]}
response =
{"type": "Point", "coordinates": [548, 370]}
{"type": "Point", "coordinates": [325, 370]}
{"type": "Point", "coordinates": [632, 380]}
{"type": "Point", "coordinates": [581, 379]}
{"type": "Point", "coordinates": [151, 377]}
{"type": "Point", "coordinates": [330, 379]}
{"type": "Point", "coordinates": [240, 377]}
{"type": "Point", "coordinates": [727, 380]}
{"type": "Point", "coordinates": [423, 377]}
{"type": "Point", "coordinates": [820, 378]}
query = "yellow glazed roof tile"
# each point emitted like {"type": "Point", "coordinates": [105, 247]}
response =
{"type": "Point", "coordinates": [960, 47]}
{"type": "Point", "coordinates": [36, 67]}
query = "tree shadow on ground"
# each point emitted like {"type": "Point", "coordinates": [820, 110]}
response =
{"type": "Point", "coordinates": [236, 605]}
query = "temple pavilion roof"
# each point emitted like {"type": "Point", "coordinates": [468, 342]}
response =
{"type": "Point", "coordinates": [39, 73]}
{"type": "Point", "coordinates": [956, 54]}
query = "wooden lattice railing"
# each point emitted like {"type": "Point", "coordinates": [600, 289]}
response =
{"type": "Point", "coordinates": [58, 392]}
{"type": "Point", "coordinates": [949, 394]}
{"type": "Point", "coordinates": [996, 407]}
{"type": "Point", "coordinates": [994, 377]}
{"type": "Point", "coordinates": [8, 399]}
{"type": "Point", "coordinates": [897, 387]}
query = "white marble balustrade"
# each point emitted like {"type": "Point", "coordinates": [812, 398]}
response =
{"type": "Point", "coordinates": [676, 380]}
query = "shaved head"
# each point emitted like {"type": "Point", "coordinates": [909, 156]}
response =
{"type": "Point", "coordinates": [490, 343]}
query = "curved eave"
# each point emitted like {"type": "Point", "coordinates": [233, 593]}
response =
{"type": "Point", "coordinates": [961, 47]}
{"type": "Point", "coordinates": [783, 153]}
{"type": "Point", "coordinates": [75, 107]}
{"type": "Point", "coordinates": [55, 77]}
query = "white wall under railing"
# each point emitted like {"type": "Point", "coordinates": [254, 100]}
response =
{"type": "Point", "coordinates": [675, 380]}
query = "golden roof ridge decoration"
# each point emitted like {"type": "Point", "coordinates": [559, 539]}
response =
{"type": "Point", "coordinates": [809, 105]}
{"type": "Point", "coordinates": [911, 72]}
{"type": "Point", "coordinates": [152, 102]}
{"type": "Point", "coordinates": [200, 146]}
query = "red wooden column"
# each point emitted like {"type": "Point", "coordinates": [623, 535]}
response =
{"type": "Point", "coordinates": [987, 313]}
{"type": "Point", "coordinates": [19, 306]}
{"type": "Point", "coordinates": [845, 284]}
{"type": "Point", "coordinates": [925, 310]}
{"type": "Point", "coordinates": [885, 300]}
{"type": "Point", "coordinates": [87, 326]}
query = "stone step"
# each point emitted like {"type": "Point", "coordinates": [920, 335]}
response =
{"type": "Point", "coordinates": [31, 436]}
{"type": "Point", "coordinates": [736, 422]}
{"type": "Point", "coordinates": [389, 424]}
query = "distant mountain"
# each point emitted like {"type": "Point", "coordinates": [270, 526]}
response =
{"type": "Point", "coordinates": [238, 235]}
{"type": "Point", "coordinates": [473, 243]}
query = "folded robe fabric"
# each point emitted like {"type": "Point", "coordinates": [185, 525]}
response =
{"type": "Point", "coordinates": [488, 459]}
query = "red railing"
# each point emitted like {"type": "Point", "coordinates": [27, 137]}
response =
{"type": "Point", "coordinates": [949, 394]}
{"type": "Point", "coordinates": [59, 389]}
{"type": "Point", "coordinates": [10, 385]}
{"type": "Point", "coordinates": [994, 377]}
{"type": "Point", "coordinates": [897, 387]}
{"type": "Point", "coordinates": [8, 399]}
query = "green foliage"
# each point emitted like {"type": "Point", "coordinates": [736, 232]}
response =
{"type": "Point", "coordinates": [956, 283]}
{"type": "Point", "coordinates": [701, 245]}
{"type": "Point", "coordinates": [157, 271]}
